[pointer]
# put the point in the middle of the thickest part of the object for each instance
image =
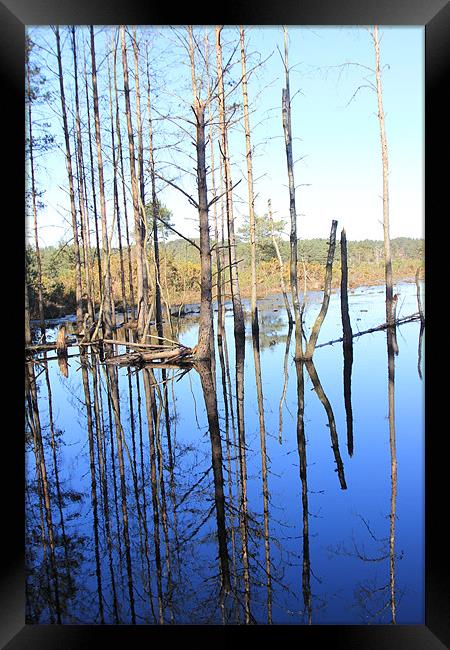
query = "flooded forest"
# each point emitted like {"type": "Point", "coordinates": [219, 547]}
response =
{"type": "Point", "coordinates": [235, 438]}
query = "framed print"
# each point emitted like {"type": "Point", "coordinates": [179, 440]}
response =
{"type": "Point", "coordinates": [230, 418]}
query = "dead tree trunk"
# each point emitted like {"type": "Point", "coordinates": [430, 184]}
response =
{"type": "Point", "coordinates": [158, 307]}
{"type": "Point", "coordinates": [218, 246]}
{"type": "Point", "coordinates": [108, 300]}
{"type": "Point", "coordinates": [122, 174]}
{"type": "Point", "coordinates": [78, 290]}
{"type": "Point", "coordinates": [33, 199]}
{"type": "Point", "coordinates": [346, 325]}
{"type": "Point", "coordinates": [326, 294]}
{"type": "Point", "coordinates": [239, 324]}
{"type": "Point", "coordinates": [142, 280]}
{"type": "Point", "coordinates": [83, 212]}
{"type": "Point", "coordinates": [347, 342]}
{"type": "Point", "coordinates": [116, 199]}
{"type": "Point", "coordinates": [281, 265]}
{"type": "Point", "coordinates": [390, 319]}
{"type": "Point", "coordinates": [140, 182]}
{"type": "Point", "coordinates": [205, 346]}
{"type": "Point", "coordinates": [286, 113]}
{"type": "Point", "coordinates": [94, 193]}
{"type": "Point", "coordinates": [251, 197]}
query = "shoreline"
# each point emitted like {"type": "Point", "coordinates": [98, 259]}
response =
{"type": "Point", "coordinates": [193, 308]}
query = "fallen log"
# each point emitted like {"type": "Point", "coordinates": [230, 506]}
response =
{"type": "Point", "coordinates": [378, 328]}
{"type": "Point", "coordinates": [173, 356]}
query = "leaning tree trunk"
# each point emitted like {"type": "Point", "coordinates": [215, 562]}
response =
{"type": "Point", "coordinates": [326, 294]}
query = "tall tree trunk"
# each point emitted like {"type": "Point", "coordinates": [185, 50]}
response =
{"type": "Point", "coordinates": [78, 290]}
{"type": "Point", "coordinates": [116, 199]}
{"type": "Point", "coordinates": [286, 112]}
{"type": "Point", "coordinates": [239, 324]}
{"type": "Point", "coordinates": [155, 209]}
{"type": "Point", "coordinates": [251, 197]}
{"type": "Point", "coordinates": [122, 175]}
{"type": "Point", "coordinates": [94, 192]}
{"type": "Point", "coordinates": [83, 212]}
{"type": "Point", "coordinates": [34, 203]}
{"type": "Point", "coordinates": [108, 300]}
{"type": "Point", "coordinates": [390, 320]}
{"type": "Point", "coordinates": [142, 280]}
{"type": "Point", "coordinates": [205, 346]}
{"type": "Point", "coordinates": [384, 159]}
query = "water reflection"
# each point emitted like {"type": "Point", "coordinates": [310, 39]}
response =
{"type": "Point", "coordinates": [162, 496]}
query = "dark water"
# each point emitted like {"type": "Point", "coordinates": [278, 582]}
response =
{"type": "Point", "coordinates": [131, 517]}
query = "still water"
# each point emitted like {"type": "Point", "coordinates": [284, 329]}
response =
{"type": "Point", "coordinates": [275, 506]}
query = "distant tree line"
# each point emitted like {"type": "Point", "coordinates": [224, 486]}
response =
{"type": "Point", "coordinates": [180, 267]}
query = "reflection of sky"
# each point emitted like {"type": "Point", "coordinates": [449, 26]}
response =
{"type": "Point", "coordinates": [335, 515]}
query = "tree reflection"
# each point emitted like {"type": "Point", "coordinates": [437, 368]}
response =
{"type": "Point", "coordinates": [265, 487]}
{"type": "Point", "coordinates": [301, 447]}
{"type": "Point", "coordinates": [144, 513]}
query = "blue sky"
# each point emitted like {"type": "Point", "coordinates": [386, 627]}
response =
{"type": "Point", "coordinates": [336, 143]}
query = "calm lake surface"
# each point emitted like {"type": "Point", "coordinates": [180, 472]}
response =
{"type": "Point", "coordinates": [136, 519]}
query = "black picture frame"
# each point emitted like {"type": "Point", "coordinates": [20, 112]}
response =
{"type": "Point", "coordinates": [435, 16]}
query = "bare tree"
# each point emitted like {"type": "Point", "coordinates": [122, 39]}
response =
{"type": "Point", "coordinates": [239, 325]}
{"type": "Point", "coordinates": [107, 297]}
{"type": "Point", "coordinates": [81, 184]}
{"type": "Point", "coordinates": [142, 279]}
{"type": "Point", "coordinates": [78, 289]}
{"type": "Point", "coordinates": [286, 112]}
{"type": "Point", "coordinates": [34, 204]}
{"type": "Point", "coordinates": [251, 198]}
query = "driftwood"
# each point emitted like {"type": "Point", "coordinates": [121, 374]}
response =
{"type": "Point", "coordinates": [399, 321]}
{"type": "Point", "coordinates": [174, 356]}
